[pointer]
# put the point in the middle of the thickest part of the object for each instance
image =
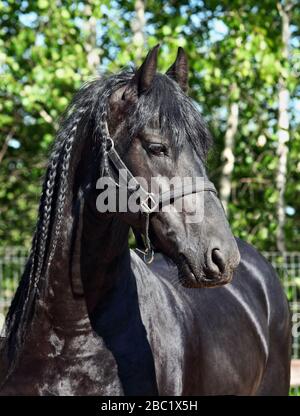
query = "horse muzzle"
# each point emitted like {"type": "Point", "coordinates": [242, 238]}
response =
{"type": "Point", "coordinates": [191, 277]}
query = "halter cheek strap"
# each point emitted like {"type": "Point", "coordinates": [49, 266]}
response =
{"type": "Point", "coordinates": [148, 202]}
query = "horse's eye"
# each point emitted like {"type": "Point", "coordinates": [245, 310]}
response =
{"type": "Point", "coordinates": [157, 149]}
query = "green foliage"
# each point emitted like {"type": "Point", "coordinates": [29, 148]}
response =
{"type": "Point", "coordinates": [49, 48]}
{"type": "Point", "coordinates": [294, 391]}
{"type": "Point", "coordinates": [43, 61]}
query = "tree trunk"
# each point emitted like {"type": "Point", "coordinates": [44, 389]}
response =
{"type": "Point", "coordinates": [283, 128]}
{"type": "Point", "coordinates": [228, 152]}
{"type": "Point", "coordinates": [4, 148]}
{"type": "Point", "coordinates": [138, 28]}
{"type": "Point", "coordinates": [90, 45]}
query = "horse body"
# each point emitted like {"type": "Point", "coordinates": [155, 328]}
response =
{"type": "Point", "coordinates": [165, 339]}
{"type": "Point", "coordinates": [233, 337]}
{"type": "Point", "coordinates": [89, 317]}
{"type": "Point", "coordinates": [202, 342]}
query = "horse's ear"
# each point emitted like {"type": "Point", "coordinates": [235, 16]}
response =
{"type": "Point", "coordinates": [180, 69]}
{"type": "Point", "coordinates": [145, 74]}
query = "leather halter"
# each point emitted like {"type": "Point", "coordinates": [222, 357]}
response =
{"type": "Point", "coordinates": [149, 202]}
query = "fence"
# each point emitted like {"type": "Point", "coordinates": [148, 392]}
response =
{"type": "Point", "coordinates": [288, 269]}
{"type": "Point", "coordinates": [12, 261]}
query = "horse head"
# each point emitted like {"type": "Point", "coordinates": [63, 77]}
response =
{"type": "Point", "coordinates": [159, 133]}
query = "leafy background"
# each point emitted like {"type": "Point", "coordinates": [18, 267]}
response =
{"type": "Point", "coordinates": [49, 48]}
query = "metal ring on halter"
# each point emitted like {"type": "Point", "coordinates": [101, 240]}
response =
{"type": "Point", "coordinates": [148, 256]}
{"type": "Point", "coordinates": [110, 144]}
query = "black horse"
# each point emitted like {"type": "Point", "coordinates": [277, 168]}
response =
{"type": "Point", "coordinates": [89, 316]}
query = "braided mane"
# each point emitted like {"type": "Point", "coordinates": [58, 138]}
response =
{"type": "Point", "coordinates": [88, 105]}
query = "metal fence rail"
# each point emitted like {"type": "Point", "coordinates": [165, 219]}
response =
{"type": "Point", "coordinates": [12, 262]}
{"type": "Point", "coordinates": [287, 266]}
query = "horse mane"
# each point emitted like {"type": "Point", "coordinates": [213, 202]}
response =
{"type": "Point", "coordinates": [87, 105]}
{"type": "Point", "coordinates": [178, 117]}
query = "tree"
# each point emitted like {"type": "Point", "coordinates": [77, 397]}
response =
{"type": "Point", "coordinates": [228, 151]}
{"type": "Point", "coordinates": [138, 29]}
{"type": "Point", "coordinates": [48, 50]}
{"type": "Point", "coordinates": [283, 123]}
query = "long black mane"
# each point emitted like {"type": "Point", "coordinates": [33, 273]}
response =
{"type": "Point", "coordinates": [178, 117]}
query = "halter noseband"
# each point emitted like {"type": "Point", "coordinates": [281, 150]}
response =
{"type": "Point", "coordinates": [148, 201]}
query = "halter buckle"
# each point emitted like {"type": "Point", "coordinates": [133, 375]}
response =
{"type": "Point", "coordinates": [149, 204]}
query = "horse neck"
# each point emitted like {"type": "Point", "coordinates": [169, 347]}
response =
{"type": "Point", "coordinates": [104, 255]}
{"type": "Point", "coordinates": [64, 308]}
{"type": "Point", "coordinates": [61, 330]}
{"type": "Point", "coordinates": [85, 267]}
{"type": "Point", "coordinates": [60, 316]}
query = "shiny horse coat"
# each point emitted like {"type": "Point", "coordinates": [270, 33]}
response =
{"type": "Point", "coordinates": [230, 340]}
{"type": "Point", "coordinates": [89, 316]}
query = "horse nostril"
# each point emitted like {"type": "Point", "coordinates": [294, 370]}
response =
{"type": "Point", "coordinates": [218, 260]}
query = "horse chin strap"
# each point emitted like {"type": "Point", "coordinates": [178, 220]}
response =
{"type": "Point", "coordinates": [149, 202]}
{"type": "Point", "coordinates": [148, 253]}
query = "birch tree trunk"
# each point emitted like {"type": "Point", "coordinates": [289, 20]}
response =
{"type": "Point", "coordinates": [228, 152]}
{"type": "Point", "coordinates": [138, 29]}
{"type": "Point", "coordinates": [283, 127]}
{"type": "Point", "coordinates": [4, 148]}
{"type": "Point", "coordinates": [90, 46]}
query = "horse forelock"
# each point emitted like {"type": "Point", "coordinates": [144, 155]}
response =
{"type": "Point", "coordinates": [165, 105]}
